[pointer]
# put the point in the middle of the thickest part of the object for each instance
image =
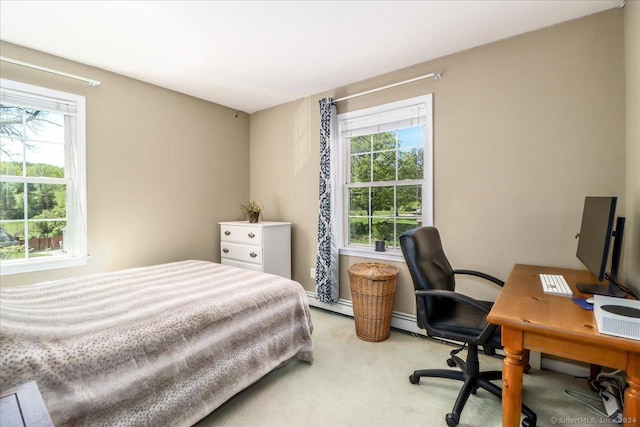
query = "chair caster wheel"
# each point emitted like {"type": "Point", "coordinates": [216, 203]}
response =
{"type": "Point", "coordinates": [451, 363]}
{"type": "Point", "coordinates": [414, 379]}
{"type": "Point", "coordinates": [527, 422]}
{"type": "Point", "coordinates": [452, 420]}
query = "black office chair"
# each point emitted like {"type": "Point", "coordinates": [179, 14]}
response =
{"type": "Point", "coordinates": [454, 316]}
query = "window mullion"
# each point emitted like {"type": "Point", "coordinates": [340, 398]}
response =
{"type": "Point", "coordinates": [396, 154]}
{"type": "Point", "coordinates": [35, 180]}
{"type": "Point", "coordinates": [25, 226]}
{"type": "Point", "coordinates": [395, 215]}
{"type": "Point", "coordinates": [369, 213]}
{"type": "Point", "coordinates": [25, 186]}
{"type": "Point", "coordinates": [400, 183]}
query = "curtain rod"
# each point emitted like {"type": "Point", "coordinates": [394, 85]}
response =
{"type": "Point", "coordinates": [435, 76]}
{"type": "Point", "coordinates": [49, 70]}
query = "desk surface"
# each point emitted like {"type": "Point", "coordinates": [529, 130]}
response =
{"type": "Point", "coordinates": [522, 304]}
{"type": "Point", "coordinates": [531, 319]}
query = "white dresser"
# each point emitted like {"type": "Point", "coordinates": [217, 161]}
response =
{"type": "Point", "coordinates": [262, 246]}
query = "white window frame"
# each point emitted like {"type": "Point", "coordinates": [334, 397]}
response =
{"type": "Point", "coordinates": [75, 166]}
{"type": "Point", "coordinates": [390, 254]}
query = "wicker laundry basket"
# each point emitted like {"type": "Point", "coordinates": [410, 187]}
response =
{"type": "Point", "coordinates": [373, 289]}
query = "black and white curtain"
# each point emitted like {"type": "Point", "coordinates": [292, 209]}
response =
{"type": "Point", "coordinates": [327, 270]}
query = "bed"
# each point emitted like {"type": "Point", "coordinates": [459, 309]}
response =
{"type": "Point", "coordinates": [159, 345]}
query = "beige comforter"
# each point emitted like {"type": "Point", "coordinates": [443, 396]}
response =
{"type": "Point", "coordinates": [154, 346]}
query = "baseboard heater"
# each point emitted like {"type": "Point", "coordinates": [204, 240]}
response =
{"type": "Point", "coordinates": [407, 322]}
{"type": "Point", "coordinates": [402, 321]}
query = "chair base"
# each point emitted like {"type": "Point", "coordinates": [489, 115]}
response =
{"type": "Point", "coordinates": [472, 380]}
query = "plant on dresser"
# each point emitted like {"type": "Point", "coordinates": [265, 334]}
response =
{"type": "Point", "coordinates": [251, 211]}
{"type": "Point", "coordinates": [263, 246]}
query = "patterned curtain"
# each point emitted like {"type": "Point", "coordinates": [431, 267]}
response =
{"type": "Point", "coordinates": [327, 271]}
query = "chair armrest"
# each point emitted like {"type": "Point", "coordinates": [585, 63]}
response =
{"type": "Point", "coordinates": [482, 275]}
{"type": "Point", "coordinates": [453, 295]}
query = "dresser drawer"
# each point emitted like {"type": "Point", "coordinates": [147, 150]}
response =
{"type": "Point", "coordinates": [239, 252]}
{"type": "Point", "coordinates": [241, 234]}
{"type": "Point", "coordinates": [240, 264]}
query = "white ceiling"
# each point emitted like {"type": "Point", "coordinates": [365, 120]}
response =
{"type": "Point", "coordinates": [252, 55]}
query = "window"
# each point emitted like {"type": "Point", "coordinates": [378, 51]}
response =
{"type": "Point", "coordinates": [387, 174]}
{"type": "Point", "coordinates": [42, 179]}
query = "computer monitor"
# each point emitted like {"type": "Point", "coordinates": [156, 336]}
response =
{"type": "Point", "coordinates": [594, 242]}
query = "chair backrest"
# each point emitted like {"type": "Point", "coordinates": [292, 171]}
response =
{"type": "Point", "coordinates": [428, 266]}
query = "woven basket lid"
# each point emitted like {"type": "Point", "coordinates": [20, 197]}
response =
{"type": "Point", "coordinates": [374, 270]}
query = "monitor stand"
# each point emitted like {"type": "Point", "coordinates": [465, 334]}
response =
{"type": "Point", "coordinates": [610, 291]}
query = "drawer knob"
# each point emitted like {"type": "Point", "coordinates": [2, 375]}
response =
{"type": "Point", "coordinates": [253, 254]}
{"type": "Point", "coordinates": [227, 232]}
{"type": "Point", "coordinates": [225, 250]}
{"type": "Point", "coordinates": [251, 235]}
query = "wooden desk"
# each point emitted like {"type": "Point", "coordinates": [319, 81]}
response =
{"type": "Point", "coordinates": [551, 324]}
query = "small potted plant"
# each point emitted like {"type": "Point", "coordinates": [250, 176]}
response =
{"type": "Point", "coordinates": [251, 211]}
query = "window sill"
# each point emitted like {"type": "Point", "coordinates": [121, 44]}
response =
{"type": "Point", "coordinates": [394, 255]}
{"type": "Point", "coordinates": [30, 266]}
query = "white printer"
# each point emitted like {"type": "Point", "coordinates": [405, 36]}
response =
{"type": "Point", "coordinates": [617, 316]}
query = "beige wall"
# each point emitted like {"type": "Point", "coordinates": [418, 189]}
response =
{"type": "Point", "coordinates": [523, 129]}
{"type": "Point", "coordinates": [632, 62]}
{"type": "Point", "coordinates": [162, 168]}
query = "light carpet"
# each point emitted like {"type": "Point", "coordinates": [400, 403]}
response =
{"type": "Point", "coordinates": [357, 383]}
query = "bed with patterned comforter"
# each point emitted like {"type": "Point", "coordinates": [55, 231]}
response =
{"type": "Point", "coordinates": [161, 345]}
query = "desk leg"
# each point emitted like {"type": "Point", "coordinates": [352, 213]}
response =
{"type": "Point", "coordinates": [512, 340]}
{"type": "Point", "coordinates": [632, 394]}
